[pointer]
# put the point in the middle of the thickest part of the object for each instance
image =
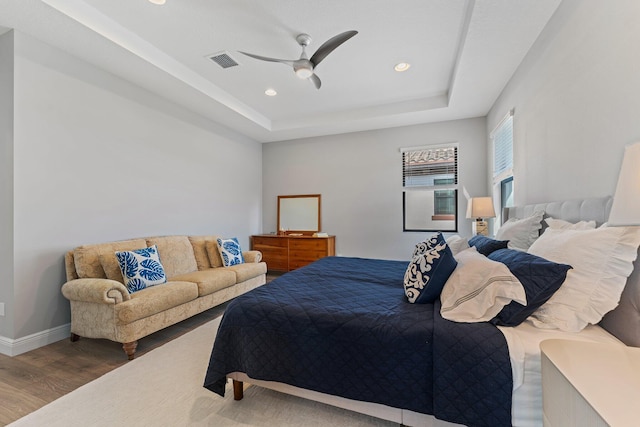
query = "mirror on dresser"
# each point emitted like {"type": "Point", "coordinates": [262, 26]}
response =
{"type": "Point", "coordinates": [298, 241]}
{"type": "Point", "coordinates": [299, 214]}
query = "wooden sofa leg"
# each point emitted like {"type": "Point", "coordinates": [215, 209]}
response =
{"type": "Point", "coordinates": [74, 337]}
{"type": "Point", "coordinates": [130, 349]}
{"type": "Point", "coordinates": [238, 390]}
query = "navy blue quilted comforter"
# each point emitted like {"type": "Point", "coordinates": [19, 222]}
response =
{"type": "Point", "coordinates": [343, 326]}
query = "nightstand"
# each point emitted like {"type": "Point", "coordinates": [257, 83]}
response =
{"type": "Point", "coordinates": [590, 384]}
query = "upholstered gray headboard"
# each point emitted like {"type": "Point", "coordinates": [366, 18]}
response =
{"type": "Point", "coordinates": [597, 209]}
{"type": "Point", "coordinates": [624, 321]}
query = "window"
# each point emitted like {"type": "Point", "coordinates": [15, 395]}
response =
{"type": "Point", "coordinates": [506, 192]}
{"type": "Point", "coordinates": [444, 202]}
{"type": "Point", "coordinates": [502, 141]}
{"type": "Point", "coordinates": [430, 181]}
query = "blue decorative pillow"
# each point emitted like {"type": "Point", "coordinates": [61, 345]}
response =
{"type": "Point", "coordinates": [428, 271]}
{"type": "Point", "coordinates": [541, 279]}
{"type": "Point", "coordinates": [230, 252]}
{"type": "Point", "coordinates": [486, 245]}
{"type": "Point", "coordinates": [141, 268]}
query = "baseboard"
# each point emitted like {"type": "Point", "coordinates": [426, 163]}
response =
{"type": "Point", "coordinates": [11, 347]}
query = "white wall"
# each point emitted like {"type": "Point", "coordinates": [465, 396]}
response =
{"type": "Point", "coordinates": [6, 176]}
{"type": "Point", "coordinates": [359, 176]}
{"type": "Point", "coordinates": [577, 102]}
{"type": "Point", "coordinates": [97, 159]}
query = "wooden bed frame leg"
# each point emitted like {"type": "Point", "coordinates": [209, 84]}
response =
{"type": "Point", "coordinates": [238, 390]}
{"type": "Point", "coordinates": [130, 349]}
{"type": "Point", "coordinates": [74, 337]}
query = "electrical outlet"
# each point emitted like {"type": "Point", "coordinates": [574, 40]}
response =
{"type": "Point", "coordinates": [1, 309]}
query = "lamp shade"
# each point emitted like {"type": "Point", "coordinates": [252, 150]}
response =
{"type": "Point", "coordinates": [626, 202]}
{"type": "Point", "coordinates": [480, 207]}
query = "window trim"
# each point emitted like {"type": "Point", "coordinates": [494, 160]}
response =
{"type": "Point", "coordinates": [506, 174]}
{"type": "Point", "coordinates": [433, 188]}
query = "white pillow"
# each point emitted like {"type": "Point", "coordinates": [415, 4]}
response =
{"type": "Point", "coordinates": [230, 251]}
{"type": "Point", "coordinates": [521, 233]}
{"type": "Point", "coordinates": [478, 289]}
{"type": "Point", "coordinates": [457, 244]}
{"type": "Point", "coordinates": [566, 225]}
{"type": "Point", "coordinates": [601, 258]}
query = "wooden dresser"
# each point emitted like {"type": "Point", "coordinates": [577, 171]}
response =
{"type": "Point", "coordinates": [286, 253]}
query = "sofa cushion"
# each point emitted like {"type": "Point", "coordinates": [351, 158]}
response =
{"type": "Point", "coordinates": [199, 244]}
{"type": "Point", "coordinates": [155, 299]}
{"type": "Point", "coordinates": [176, 254]}
{"type": "Point", "coordinates": [210, 280]}
{"type": "Point", "coordinates": [248, 271]}
{"type": "Point", "coordinates": [99, 260]}
{"type": "Point", "coordinates": [214, 253]}
{"type": "Point", "coordinates": [141, 268]}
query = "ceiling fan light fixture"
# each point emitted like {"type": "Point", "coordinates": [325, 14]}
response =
{"type": "Point", "coordinates": [304, 72]}
{"type": "Point", "coordinates": [402, 66]}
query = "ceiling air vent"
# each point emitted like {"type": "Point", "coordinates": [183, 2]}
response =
{"type": "Point", "coordinates": [223, 59]}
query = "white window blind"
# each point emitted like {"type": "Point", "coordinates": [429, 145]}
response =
{"type": "Point", "coordinates": [503, 185]}
{"type": "Point", "coordinates": [434, 167]}
{"type": "Point", "coordinates": [503, 148]}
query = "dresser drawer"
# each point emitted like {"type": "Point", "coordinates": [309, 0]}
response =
{"type": "Point", "coordinates": [295, 264]}
{"type": "Point", "coordinates": [260, 242]}
{"type": "Point", "coordinates": [317, 244]}
{"type": "Point", "coordinates": [276, 262]}
{"type": "Point", "coordinates": [275, 251]}
{"type": "Point", "coordinates": [306, 255]}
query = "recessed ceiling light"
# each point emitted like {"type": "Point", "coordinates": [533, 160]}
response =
{"type": "Point", "coordinates": [270, 92]}
{"type": "Point", "coordinates": [158, 1]}
{"type": "Point", "coordinates": [402, 66]}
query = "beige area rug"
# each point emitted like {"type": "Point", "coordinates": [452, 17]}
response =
{"type": "Point", "coordinates": [164, 388]}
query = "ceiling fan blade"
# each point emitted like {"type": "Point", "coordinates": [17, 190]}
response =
{"type": "Point", "coordinates": [316, 81]}
{"type": "Point", "coordinates": [264, 58]}
{"type": "Point", "coordinates": [330, 45]}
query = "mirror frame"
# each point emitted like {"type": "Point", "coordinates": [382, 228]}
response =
{"type": "Point", "coordinates": [300, 196]}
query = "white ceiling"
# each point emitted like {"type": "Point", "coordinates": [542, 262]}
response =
{"type": "Point", "coordinates": [462, 53]}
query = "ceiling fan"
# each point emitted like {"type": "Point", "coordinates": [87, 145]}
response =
{"type": "Point", "coordinates": [304, 67]}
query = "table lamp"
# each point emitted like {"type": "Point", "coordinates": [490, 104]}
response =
{"type": "Point", "coordinates": [480, 208]}
{"type": "Point", "coordinates": [626, 202]}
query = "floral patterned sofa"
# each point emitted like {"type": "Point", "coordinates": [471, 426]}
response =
{"type": "Point", "coordinates": [102, 306]}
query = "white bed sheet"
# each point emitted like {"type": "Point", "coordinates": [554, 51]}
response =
{"type": "Point", "coordinates": [524, 350]}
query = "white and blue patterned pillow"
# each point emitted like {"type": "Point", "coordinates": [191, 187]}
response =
{"type": "Point", "coordinates": [429, 270]}
{"type": "Point", "coordinates": [230, 251]}
{"type": "Point", "coordinates": [141, 268]}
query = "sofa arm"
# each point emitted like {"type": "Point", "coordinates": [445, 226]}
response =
{"type": "Point", "coordinates": [252, 256]}
{"type": "Point", "coordinates": [96, 290]}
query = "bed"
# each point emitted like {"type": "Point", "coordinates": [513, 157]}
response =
{"type": "Point", "coordinates": [340, 331]}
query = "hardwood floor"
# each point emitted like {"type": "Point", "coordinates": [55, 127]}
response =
{"type": "Point", "coordinates": [31, 380]}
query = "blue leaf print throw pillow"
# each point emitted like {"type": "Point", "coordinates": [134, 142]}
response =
{"type": "Point", "coordinates": [230, 252]}
{"type": "Point", "coordinates": [141, 268]}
